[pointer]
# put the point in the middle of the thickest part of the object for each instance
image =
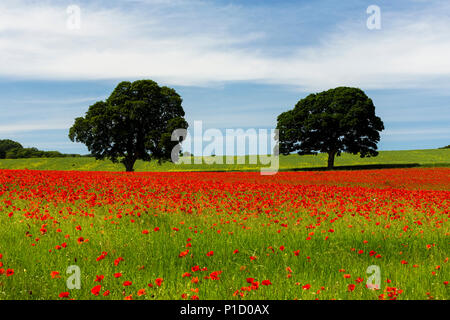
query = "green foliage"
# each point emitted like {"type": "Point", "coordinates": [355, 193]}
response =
{"type": "Point", "coordinates": [334, 121]}
{"type": "Point", "coordinates": [13, 150]}
{"type": "Point", "coordinates": [7, 146]}
{"type": "Point", "coordinates": [135, 122]}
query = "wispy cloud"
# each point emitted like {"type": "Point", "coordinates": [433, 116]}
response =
{"type": "Point", "coordinates": [30, 126]}
{"type": "Point", "coordinates": [431, 135]}
{"type": "Point", "coordinates": [198, 43]}
{"type": "Point", "coordinates": [417, 132]}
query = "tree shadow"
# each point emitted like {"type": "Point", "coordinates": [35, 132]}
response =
{"type": "Point", "coordinates": [360, 167]}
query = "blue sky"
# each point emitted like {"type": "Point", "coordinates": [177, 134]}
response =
{"type": "Point", "coordinates": [236, 64]}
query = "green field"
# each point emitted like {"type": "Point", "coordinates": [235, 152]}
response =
{"type": "Point", "coordinates": [310, 241]}
{"type": "Point", "coordinates": [388, 159]}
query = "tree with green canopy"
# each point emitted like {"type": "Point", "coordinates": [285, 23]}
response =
{"type": "Point", "coordinates": [135, 122]}
{"type": "Point", "coordinates": [8, 145]}
{"type": "Point", "coordinates": [333, 121]}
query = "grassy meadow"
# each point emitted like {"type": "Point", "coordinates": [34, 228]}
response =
{"type": "Point", "coordinates": [385, 159]}
{"type": "Point", "coordinates": [219, 235]}
{"type": "Point", "coordinates": [210, 236]}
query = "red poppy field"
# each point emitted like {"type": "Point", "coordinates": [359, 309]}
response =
{"type": "Point", "coordinates": [294, 235]}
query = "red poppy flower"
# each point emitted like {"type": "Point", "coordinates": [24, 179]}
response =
{"type": "Point", "coordinates": [183, 253]}
{"type": "Point", "coordinates": [266, 282]}
{"type": "Point", "coordinates": [117, 261]}
{"type": "Point", "coordinates": [195, 268]}
{"type": "Point", "coordinates": [96, 290]}
{"type": "Point", "coordinates": [158, 281]}
{"type": "Point", "coordinates": [141, 292]}
{"type": "Point", "coordinates": [99, 278]}
{"type": "Point", "coordinates": [102, 256]}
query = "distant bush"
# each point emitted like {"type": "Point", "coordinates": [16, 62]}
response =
{"type": "Point", "coordinates": [7, 145]}
{"type": "Point", "coordinates": [446, 147]}
{"type": "Point", "coordinates": [13, 150]}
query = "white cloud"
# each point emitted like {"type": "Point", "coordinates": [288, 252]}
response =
{"type": "Point", "coordinates": [426, 134]}
{"type": "Point", "coordinates": [195, 45]}
{"type": "Point", "coordinates": [31, 127]}
{"type": "Point", "coordinates": [416, 132]}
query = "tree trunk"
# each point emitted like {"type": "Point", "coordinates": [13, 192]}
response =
{"type": "Point", "coordinates": [129, 164]}
{"type": "Point", "coordinates": [331, 155]}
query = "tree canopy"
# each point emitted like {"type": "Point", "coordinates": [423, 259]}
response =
{"type": "Point", "coordinates": [333, 121]}
{"type": "Point", "coordinates": [10, 149]}
{"type": "Point", "coordinates": [8, 145]}
{"type": "Point", "coordinates": [135, 122]}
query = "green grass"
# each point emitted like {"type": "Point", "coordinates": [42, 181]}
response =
{"type": "Point", "coordinates": [158, 251]}
{"type": "Point", "coordinates": [406, 158]}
